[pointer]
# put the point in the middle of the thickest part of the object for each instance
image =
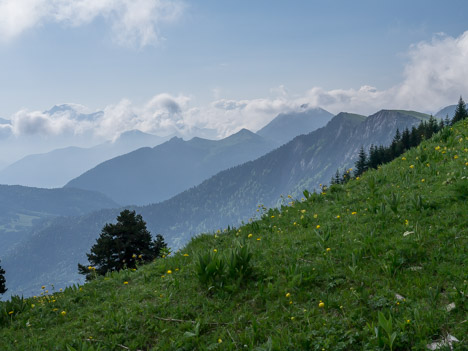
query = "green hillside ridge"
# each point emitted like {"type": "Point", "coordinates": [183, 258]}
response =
{"type": "Point", "coordinates": [379, 263]}
{"type": "Point", "coordinates": [418, 115]}
{"type": "Point", "coordinates": [355, 117]}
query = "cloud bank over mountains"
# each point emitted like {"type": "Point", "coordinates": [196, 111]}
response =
{"type": "Point", "coordinates": [132, 22]}
{"type": "Point", "coordinates": [435, 75]}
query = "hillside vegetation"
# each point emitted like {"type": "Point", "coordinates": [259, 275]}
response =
{"type": "Point", "coordinates": [228, 198]}
{"type": "Point", "coordinates": [378, 263]}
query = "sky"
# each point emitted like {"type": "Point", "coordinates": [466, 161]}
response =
{"type": "Point", "coordinates": [179, 66]}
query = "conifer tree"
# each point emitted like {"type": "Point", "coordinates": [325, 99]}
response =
{"type": "Point", "coordinates": [3, 288]}
{"type": "Point", "coordinates": [415, 138]}
{"type": "Point", "coordinates": [447, 120]}
{"type": "Point", "coordinates": [460, 111]}
{"type": "Point", "coordinates": [361, 163]}
{"type": "Point", "coordinates": [336, 179]}
{"type": "Point", "coordinates": [405, 140]}
{"type": "Point", "coordinates": [122, 245]}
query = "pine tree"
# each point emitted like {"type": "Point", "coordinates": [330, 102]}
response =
{"type": "Point", "coordinates": [415, 138]}
{"type": "Point", "coordinates": [336, 179]}
{"type": "Point", "coordinates": [405, 140]}
{"type": "Point", "coordinates": [3, 288]}
{"type": "Point", "coordinates": [447, 120]}
{"type": "Point", "coordinates": [122, 245]}
{"type": "Point", "coordinates": [373, 157]}
{"type": "Point", "coordinates": [460, 111]}
{"type": "Point", "coordinates": [361, 163]}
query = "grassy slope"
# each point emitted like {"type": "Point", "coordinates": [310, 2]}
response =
{"type": "Point", "coordinates": [418, 115]}
{"type": "Point", "coordinates": [346, 248]}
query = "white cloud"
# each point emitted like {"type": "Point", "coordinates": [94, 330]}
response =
{"type": "Point", "coordinates": [133, 22]}
{"type": "Point", "coordinates": [25, 122]}
{"type": "Point", "coordinates": [436, 74]}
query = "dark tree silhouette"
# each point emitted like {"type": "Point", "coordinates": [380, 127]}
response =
{"type": "Point", "coordinates": [460, 111]}
{"type": "Point", "coordinates": [361, 163]}
{"type": "Point", "coordinates": [3, 288]}
{"type": "Point", "coordinates": [122, 245]}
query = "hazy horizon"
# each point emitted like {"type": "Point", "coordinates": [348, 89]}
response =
{"type": "Point", "coordinates": [196, 69]}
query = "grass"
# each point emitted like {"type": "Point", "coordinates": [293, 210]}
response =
{"type": "Point", "coordinates": [418, 115]}
{"type": "Point", "coordinates": [377, 264]}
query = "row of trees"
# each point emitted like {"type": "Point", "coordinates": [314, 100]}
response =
{"type": "Point", "coordinates": [401, 142]}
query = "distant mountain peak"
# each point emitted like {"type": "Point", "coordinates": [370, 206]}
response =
{"type": "Point", "coordinates": [68, 107]}
{"type": "Point", "coordinates": [75, 111]}
{"type": "Point", "coordinates": [286, 126]}
{"type": "Point", "coordinates": [243, 132]}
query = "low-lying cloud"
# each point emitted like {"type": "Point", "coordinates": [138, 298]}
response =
{"type": "Point", "coordinates": [435, 75]}
{"type": "Point", "coordinates": [131, 21]}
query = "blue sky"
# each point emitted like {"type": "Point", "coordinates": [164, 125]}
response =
{"type": "Point", "coordinates": [240, 49]}
{"type": "Point", "coordinates": [226, 64]}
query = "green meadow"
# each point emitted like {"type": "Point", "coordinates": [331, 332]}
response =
{"type": "Point", "coordinates": [379, 263]}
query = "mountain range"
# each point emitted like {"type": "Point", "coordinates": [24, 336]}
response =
{"type": "Point", "coordinates": [55, 168]}
{"type": "Point", "coordinates": [227, 198]}
{"type": "Point", "coordinates": [150, 175]}
{"type": "Point", "coordinates": [286, 126]}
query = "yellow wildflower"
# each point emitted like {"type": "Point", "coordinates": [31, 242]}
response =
{"type": "Point", "coordinates": [315, 215]}
{"type": "Point", "coordinates": [63, 313]}
{"type": "Point", "coordinates": [288, 294]}
{"type": "Point", "coordinates": [169, 272]}
{"type": "Point", "coordinates": [250, 235]}
{"type": "Point", "coordinates": [303, 211]}
{"type": "Point", "coordinates": [338, 216]}
{"type": "Point", "coordinates": [403, 158]}
{"type": "Point", "coordinates": [186, 254]}
{"type": "Point", "coordinates": [125, 283]}
{"type": "Point", "coordinates": [10, 313]}
{"type": "Point", "coordinates": [353, 213]}
{"type": "Point", "coordinates": [412, 166]}
{"type": "Point", "coordinates": [318, 226]}
{"type": "Point", "coordinates": [215, 250]}
{"type": "Point", "coordinates": [328, 249]}
{"type": "Point", "coordinates": [220, 341]}
{"type": "Point", "coordinates": [321, 304]}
